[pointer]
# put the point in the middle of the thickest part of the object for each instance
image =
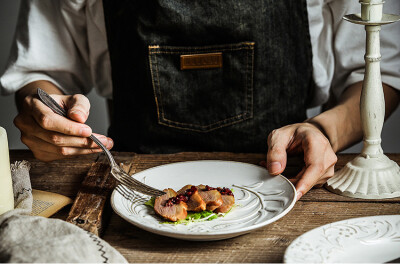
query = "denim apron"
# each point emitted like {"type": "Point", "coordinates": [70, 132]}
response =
{"type": "Point", "coordinates": [264, 80]}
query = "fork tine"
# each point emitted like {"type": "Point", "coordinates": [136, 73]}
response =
{"type": "Point", "coordinates": [144, 190]}
{"type": "Point", "coordinates": [130, 195]}
{"type": "Point", "coordinates": [126, 195]}
{"type": "Point", "coordinates": [123, 193]}
{"type": "Point", "coordinates": [129, 179]}
{"type": "Point", "coordinates": [133, 184]}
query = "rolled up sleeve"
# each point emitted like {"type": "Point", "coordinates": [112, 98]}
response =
{"type": "Point", "coordinates": [50, 44]}
{"type": "Point", "coordinates": [349, 49]}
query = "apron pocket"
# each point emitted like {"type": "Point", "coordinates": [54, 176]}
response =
{"type": "Point", "coordinates": [203, 97]}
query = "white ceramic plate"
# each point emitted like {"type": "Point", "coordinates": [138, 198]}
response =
{"type": "Point", "coordinates": [261, 199]}
{"type": "Point", "coordinates": [374, 239]}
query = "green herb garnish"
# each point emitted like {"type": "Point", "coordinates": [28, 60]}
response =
{"type": "Point", "coordinates": [150, 202]}
{"type": "Point", "coordinates": [196, 217]}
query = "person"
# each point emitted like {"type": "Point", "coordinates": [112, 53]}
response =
{"type": "Point", "coordinates": [232, 76]}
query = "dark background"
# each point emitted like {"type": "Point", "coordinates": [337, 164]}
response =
{"type": "Point", "coordinates": [98, 116]}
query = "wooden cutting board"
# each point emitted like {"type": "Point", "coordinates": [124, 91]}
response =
{"type": "Point", "coordinates": [91, 209]}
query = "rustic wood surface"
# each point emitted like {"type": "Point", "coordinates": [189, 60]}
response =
{"type": "Point", "coordinates": [91, 209]}
{"type": "Point", "coordinates": [265, 245]}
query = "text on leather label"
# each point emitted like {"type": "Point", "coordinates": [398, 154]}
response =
{"type": "Point", "coordinates": [201, 61]}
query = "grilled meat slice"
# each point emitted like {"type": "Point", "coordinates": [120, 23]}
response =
{"type": "Point", "coordinates": [183, 189]}
{"type": "Point", "coordinates": [195, 202]}
{"type": "Point", "coordinates": [227, 204]}
{"type": "Point", "coordinates": [212, 198]}
{"type": "Point", "coordinates": [173, 212]}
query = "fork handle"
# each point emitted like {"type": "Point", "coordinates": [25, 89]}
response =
{"type": "Point", "coordinates": [105, 150]}
{"type": "Point", "coordinates": [53, 105]}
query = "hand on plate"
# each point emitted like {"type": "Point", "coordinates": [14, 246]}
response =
{"type": "Point", "coordinates": [306, 138]}
{"type": "Point", "coordinates": [51, 136]}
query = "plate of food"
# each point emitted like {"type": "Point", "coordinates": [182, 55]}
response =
{"type": "Point", "coordinates": [207, 200]}
{"type": "Point", "coordinates": [372, 239]}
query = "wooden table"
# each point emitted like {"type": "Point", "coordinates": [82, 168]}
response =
{"type": "Point", "coordinates": [265, 245]}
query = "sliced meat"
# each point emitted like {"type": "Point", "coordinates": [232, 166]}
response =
{"type": "Point", "coordinates": [212, 198]}
{"type": "Point", "coordinates": [174, 212]}
{"type": "Point", "coordinates": [227, 204]}
{"type": "Point", "coordinates": [183, 189]}
{"type": "Point", "coordinates": [195, 202]}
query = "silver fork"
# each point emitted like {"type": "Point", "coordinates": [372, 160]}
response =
{"type": "Point", "coordinates": [128, 184]}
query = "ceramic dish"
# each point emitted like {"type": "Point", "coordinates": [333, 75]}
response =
{"type": "Point", "coordinates": [374, 239]}
{"type": "Point", "coordinates": [260, 198]}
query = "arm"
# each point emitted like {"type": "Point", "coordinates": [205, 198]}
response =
{"type": "Point", "coordinates": [30, 90]}
{"type": "Point", "coordinates": [339, 50]}
{"type": "Point", "coordinates": [320, 137]}
{"type": "Point", "coordinates": [50, 51]}
{"type": "Point", "coordinates": [345, 117]}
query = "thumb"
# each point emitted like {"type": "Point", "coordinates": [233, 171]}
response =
{"type": "Point", "coordinates": [78, 107]}
{"type": "Point", "coordinates": [278, 141]}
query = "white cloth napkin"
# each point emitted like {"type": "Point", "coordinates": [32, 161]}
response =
{"type": "Point", "coordinates": [33, 239]}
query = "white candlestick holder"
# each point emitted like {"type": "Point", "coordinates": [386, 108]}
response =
{"type": "Point", "coordinates": [371, 175]}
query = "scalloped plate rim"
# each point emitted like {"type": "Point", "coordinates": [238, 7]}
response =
{"type": "Point", "coordinates": [311, 233]}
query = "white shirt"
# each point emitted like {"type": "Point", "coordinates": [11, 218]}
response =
{"type": "Point", "coordinates": [65, 42]}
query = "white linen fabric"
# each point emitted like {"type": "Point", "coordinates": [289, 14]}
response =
{"type": "Point", "coordinates": [34, 239]}
{"type": "Point", "coordinates": [65, 42]}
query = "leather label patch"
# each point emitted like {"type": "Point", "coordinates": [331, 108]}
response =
{"type": "Point", "coordinates": [201, 61]}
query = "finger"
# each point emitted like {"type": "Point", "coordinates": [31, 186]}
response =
{"type": "Point", "coordinates": [29, 126]}
{"type": "Point", "coordinates": [324, 178]}
{"type": "Point", "coordinates": [49, 120]}
{"type": "Point", "coordinates": [278, 141]}
{"type": "Point", "coordinates": [61, 140]}
{"type": "Point", "coordinates": [25, 123]}
{"type": "Point", "coordinates": [298, 176]}
{"type": "Point", "coordinates": [309, 178]}
{"type": "Point", "coordinates": [38, 145]}
{"type": "Point", "coordinates": [329, 173]}
{"type": "Point", "coordinates": [107, 141]}
{"type": "Point", "coordinates": [49, 156]}
{"type": "Point", "coordinates": [306, 182]}
{"type": "Point", "coordinates": [314, 168]}
{"type": "Point", "coordinates": [78, 107]}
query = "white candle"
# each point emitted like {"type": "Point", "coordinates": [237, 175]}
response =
{"type": "Point", "coordinates": [371, 10]}
{"type": "Point", "coordinates": [6, 190]}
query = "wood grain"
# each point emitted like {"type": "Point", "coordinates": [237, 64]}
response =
{"type": "Point", "coordinates": [62, 176]}
{"type": "Point", "coordinates": [91, 208]}
{"type": "Point", "coordinates": [265, 245]}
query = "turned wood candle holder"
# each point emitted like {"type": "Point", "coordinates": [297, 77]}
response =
{"type": "Point", "coordinates": [371, 175]}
